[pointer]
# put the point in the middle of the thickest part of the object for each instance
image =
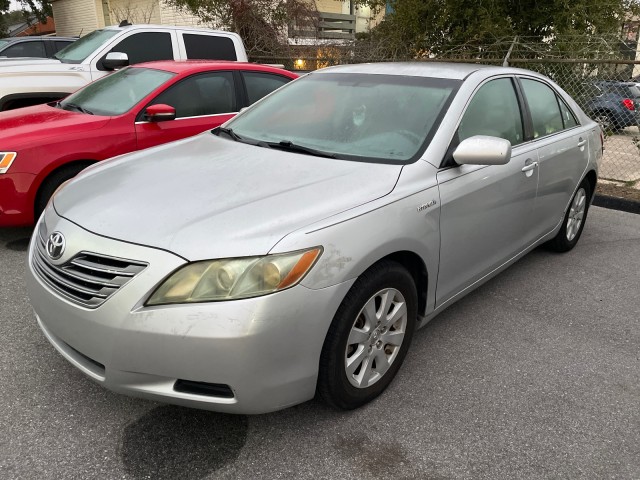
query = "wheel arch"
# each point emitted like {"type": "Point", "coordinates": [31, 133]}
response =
{"type": "Point", "coordinates": [84, 163]}
{"type": "Point", "coordinates": [414, 264]}
{"type": "Point", "coordinates": [592, 178]}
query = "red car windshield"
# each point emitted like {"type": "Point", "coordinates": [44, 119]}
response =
{"type": "Point", "coordinates": [117, 93]}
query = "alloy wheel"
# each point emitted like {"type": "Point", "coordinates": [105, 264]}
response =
{"type": "Point", "coordinates": [375, 338]}
{"type": "Point", "coordinates": [576, 214]}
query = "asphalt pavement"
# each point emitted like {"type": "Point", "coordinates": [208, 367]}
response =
{"type": "Point", "coordinates": [534, 375]}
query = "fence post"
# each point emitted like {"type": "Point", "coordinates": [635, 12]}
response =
{"type": "Point", "coordinates": [505, 62]}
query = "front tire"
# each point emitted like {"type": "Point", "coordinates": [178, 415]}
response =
{"type": "Point", "coordinates": [369, 337]}
{"type": "Point", "coordinates": [574, 220]}
{"type": "Point", "coordinates": [51, 184]}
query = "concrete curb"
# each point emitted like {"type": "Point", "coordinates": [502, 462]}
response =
{"type": "Point", "coordinates": [616, 203]}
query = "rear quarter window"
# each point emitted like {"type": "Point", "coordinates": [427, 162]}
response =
{"type": "Point", "coordinates": [209, 47]}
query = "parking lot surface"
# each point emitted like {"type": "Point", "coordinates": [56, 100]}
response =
{"type": "Point", "coordinates": [534, 375]}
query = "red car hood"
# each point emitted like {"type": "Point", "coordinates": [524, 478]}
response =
{"type": "Point", "coordinates": [24, 126]}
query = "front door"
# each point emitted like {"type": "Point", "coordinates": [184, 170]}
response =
{"type": "Point", "coordinates": [202, 102]}
{"type": "Point", "coordinates": [486, 211]}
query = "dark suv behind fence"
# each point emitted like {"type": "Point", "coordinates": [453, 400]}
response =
{"type": "Point", "coordinates": [615, 105]}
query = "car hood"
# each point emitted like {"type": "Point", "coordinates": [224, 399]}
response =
{"type": "Point", "coordinates": [29, 126]}
{"type": "Point", "coordinates": [29, 64]}
{"type": "Point", "coordinates": [207, 197]}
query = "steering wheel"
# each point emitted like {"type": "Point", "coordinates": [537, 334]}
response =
{"type": "Point", "coordinates": [411, 136]}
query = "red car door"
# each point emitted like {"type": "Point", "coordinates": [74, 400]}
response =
{"type": "Point", "coordinates": [202, 101]}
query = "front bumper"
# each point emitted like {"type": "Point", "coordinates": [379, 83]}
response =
{"type": "Point", "coordinates": [266, 349]}
{"type": "Point", "coordinates": [16, 201]}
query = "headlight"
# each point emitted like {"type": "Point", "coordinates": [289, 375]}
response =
{"type": "Point", "coordinates": [234, 278]}
{"type": "Point", "coordinates": [6, 159]}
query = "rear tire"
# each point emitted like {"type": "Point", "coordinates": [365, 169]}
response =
{"type": "Point", "coordinates": [574, 220]}
{"type": "Point", "coordinates": [369, 337]}
{"type": "Point", "coordinates": [51, 183]}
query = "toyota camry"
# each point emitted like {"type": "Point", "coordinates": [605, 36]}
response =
{"type": "Point", "coordinates": [295, 250]}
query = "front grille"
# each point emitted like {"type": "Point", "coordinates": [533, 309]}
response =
{"type": "Point", "coordinates": [88, 278]}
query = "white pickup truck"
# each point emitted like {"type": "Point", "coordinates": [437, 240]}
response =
{"type": "Point", "coordinates": [30, 81]}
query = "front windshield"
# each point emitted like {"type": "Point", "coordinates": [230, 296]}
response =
{"type": "Point", "coordinates": [117, 93]}
{"type": "Point", "coordinates": [383, 118]}
{"type": "Point", "coordinates": [3, 43]}
{"type": "Point", "coordinates": [79, 50]}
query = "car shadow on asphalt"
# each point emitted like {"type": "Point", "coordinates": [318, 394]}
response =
{"type": "Point", "coordinates": [171, 442]}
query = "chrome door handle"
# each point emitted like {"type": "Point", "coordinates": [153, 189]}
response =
{"type": "Point", "coordinates": [581, 142]}
{"type": "Point", "coordinates": [529, 167]}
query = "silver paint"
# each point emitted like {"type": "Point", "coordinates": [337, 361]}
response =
{"type": "Point", "coordinates": [207, 197]}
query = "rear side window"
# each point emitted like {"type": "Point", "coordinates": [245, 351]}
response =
{"type": "Point", "coordinates": [493, 111]}
{"type": "Point", "coordinates": [146, 47]}
{"type": "Point", "coordinates": [262, 84]}
{"type": "Point", "coordinates": [209, 47]}
{"type": "Point", "coordinates": [632, 91]}
{"type": "Point", "coordinates": [567, 115]}
{"type": "Point", "coordinates": [543, 104]}
{"type": "Point", "coordinates": [25, 49]}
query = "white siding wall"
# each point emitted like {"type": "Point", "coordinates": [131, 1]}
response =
{"type": "Point", "coordinates": [75, 17]}
{"type": "Point", "coordinates": [136, 11]}
{"type": "Point", "coordinates": [172, 16]}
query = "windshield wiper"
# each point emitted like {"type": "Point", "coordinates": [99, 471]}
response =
{"type": "Point", "coordinates": [228, 131]}
{"type": "Point", "coordinates": [292, 147]}
{"type": "Point", "coordinates": [77, 108]}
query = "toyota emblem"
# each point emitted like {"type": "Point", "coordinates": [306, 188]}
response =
{"type": "Point", "coordinates": [55, 245]}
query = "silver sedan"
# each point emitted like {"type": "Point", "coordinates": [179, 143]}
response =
{"type": "Point", "coordinates": [294, 251]}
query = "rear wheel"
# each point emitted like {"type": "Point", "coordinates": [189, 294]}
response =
{"type": "Point", "coordinates": [52, 182]}
{"type": "Point", "coordinates": [369, 337]}
{"type": "Point", "coordinates": [574, 219]}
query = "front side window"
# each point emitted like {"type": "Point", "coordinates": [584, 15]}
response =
{"type": "Point", "coordinates": [79, 50]}
{"type": "Point", "coordinates": [202, 94]}
{"type": "Point", "coordinates": [117, 93]}
{"type": "Point", "coordinates": [374, 118]}
{"type": "Point", "coordinates": [25, 49]}
{"type": "Point", "coordinates": [145, 47]}
{"type": "Point", "coordinates": [543, 104]}
{"type": "Point", "coordinates": [209, 47]}
{"type": "Point", "coordinates": [493, 111]}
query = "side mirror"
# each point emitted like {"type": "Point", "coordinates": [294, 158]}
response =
{"type": "Point", "coordinates": [159, 113]}
{"type": "Point", "coordinates": [115, 60]}
{"type": "Point", "coordinates": [483, 150]}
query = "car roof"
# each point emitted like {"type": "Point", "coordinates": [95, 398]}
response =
{"type": "Point", "coordinates": [194, 66]}
{"type": "Point", "coordinates": [149, 26]}
{"type": "Point", "coordinates": [453, 71]}
{"type": "Point", "coordinates": [35, 37]}
{"type": "Point", "coordinates": [614, 82]}
{"type": "Point", "coordinates": [457, 71]}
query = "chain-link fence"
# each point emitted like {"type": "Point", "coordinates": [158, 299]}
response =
{"type": "Point", "coordinates": [597, 72]}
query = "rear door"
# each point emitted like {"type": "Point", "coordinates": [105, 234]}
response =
{"type": "Point", "coordinates": [486, 211]}
{"type": "Point", "coordinates": [563, 152]}
{"type": "Point", "coordinates": [202, 101]}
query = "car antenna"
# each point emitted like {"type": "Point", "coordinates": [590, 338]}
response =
{"type": "Point", "coordinates": [124, 23]}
